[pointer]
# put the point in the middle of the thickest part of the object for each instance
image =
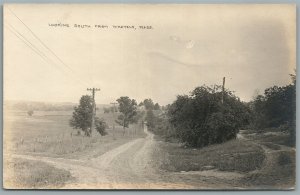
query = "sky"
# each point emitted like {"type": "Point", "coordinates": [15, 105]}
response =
{"type": "Point", "coordinates": [253, 46]}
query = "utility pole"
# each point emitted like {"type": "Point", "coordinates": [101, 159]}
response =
{"type": "Point", "coordinates": [223, 89]}
{"type": "Point", "coordinates": [94, 108]}
{"type": "Point", "coordinates": [114, 103]}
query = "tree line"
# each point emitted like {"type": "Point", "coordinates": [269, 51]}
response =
{"type": "Point", "coordinates": [276, 108]}
{"type": "Point", "coordinates": [127, 113]}
{"type": "Point", "coordinates": [208, 115]}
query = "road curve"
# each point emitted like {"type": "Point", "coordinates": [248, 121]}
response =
{"type": "Point", "coordinates": [129, 166]}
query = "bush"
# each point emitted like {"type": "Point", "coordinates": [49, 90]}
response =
{"type": "Point", "coordinates": [101, 126]}
{"type": "Point", "coordinates": [30, 112]}
{"type": "Point", "coordinates": [201, 119]}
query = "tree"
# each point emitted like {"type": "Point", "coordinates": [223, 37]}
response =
{"type": "Point", "coordinates": [101, 126]}
{"type": "Point", "coordinates": [156, 106]}
{"type": "Point", "coordinates": [201, 119]}
{"type": "Point", "coordinates": [150, 118]}
{"type": "Point", "coordinates": [148, 103]}
{"type": "Point", "coordinates": [277, 109]}
{"type": "Point", "coordinates": [128, 109]}
{"type": "Point", "coordinates": [82, 115]}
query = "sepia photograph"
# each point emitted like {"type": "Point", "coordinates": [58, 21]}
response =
{"type": "Point", "coordinates": [149, 96]}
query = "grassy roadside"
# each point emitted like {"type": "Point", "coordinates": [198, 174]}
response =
{"type": "Point", "coordinates": [28, 174]}
{"type": "Point", "coordinates": [234, 155]}
{"type": "Point", "coordinates": [71, 146]}
{"type": "Point", "coordinates": [278, 173]}
{"type": "Point", "coordinates": [279, 170]}
{"type": "Point", "coordinates": [261, 159]}
{"type": "Point", "coordinates": [269, 136]}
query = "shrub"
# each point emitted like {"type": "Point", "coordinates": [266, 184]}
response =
{"type": "Point", "coordinates": [101, 126]}
{"type": "Point", "coordinates": [30, 112]}
{"type": "Point", "coordinates": [202, 119]}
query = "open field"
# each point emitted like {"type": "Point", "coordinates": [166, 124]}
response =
{"type": "Point", "coordinates": [49, 133]}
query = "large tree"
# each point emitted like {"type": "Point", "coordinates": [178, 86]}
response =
{"type": "Point", "coordinates": [82, 115]}
{"type": "Point", "coordinates": [128, 109]}
{"type": "Point", "coordinates": [201, 119]}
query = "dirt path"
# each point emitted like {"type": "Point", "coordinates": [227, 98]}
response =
{"type": "Point", "coordinates": [129, 166]}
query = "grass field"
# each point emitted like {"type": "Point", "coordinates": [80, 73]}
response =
{"type": "Point", "coordinates": [49, 133]}
{"type": "Point", "coordinates": [234, 155]}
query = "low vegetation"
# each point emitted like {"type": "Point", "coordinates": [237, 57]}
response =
{"type": "Point", "coordinates": [49, 134]}
{"type": "Point", "coordinates": [234, 155]}
{"type": "Point", "coordinates": [270, 137]}
{"type": "Point", "coordinates": [278, 173]}
{"type": "Point", "coordinates": [27, 174]}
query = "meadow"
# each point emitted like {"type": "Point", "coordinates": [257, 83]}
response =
{"type": "Point", "coordinates": [48, 133]}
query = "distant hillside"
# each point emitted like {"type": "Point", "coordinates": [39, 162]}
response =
{"type": "Point", "coordinates": [43, 106]}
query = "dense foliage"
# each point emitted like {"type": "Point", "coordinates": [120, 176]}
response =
{"type": "Point", "coordinates": [201, 119]}
{"type": "Point", "coordinates": [276, 108]}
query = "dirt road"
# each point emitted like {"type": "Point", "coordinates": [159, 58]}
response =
{"type": "Point", "coordinates": [136, 165]}
{"type": "Point", "coordinates": [129, 166]}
